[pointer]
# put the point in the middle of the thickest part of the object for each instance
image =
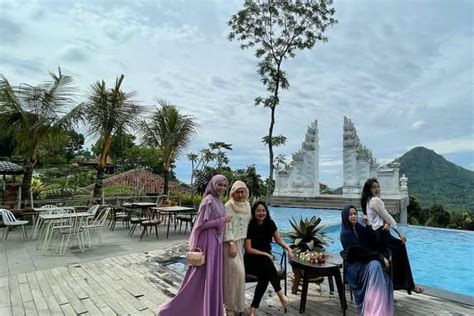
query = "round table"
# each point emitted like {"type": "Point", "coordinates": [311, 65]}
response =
{"type": "Point", "coordinates": [331, 268]}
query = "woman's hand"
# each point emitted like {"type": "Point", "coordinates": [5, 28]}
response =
{"type": "Point", "coordinates": [232, 251]}
{"type": "Point", "coordinates": [403, 238]}
{"type": "Point", "coordinates": [269, 256]}
{"type": "Point", "coordinates": [228, 218]}
{"type": "Point", "coordinates": [290, 253]}
{"type": "Point", "coordinates": [385, 226]}
{"type": "Point", "coordinates": [386, 263]}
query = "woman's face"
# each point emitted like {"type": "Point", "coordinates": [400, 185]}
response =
{"type": "Point", "coordinates": [353, 216]}
{"type": "Point", "coordinates": [221, 188]}
{"type": "Point", "coordinates": [239, 195]}
{"type": "Point", "coordinates": [260, 213]}
{"type": "Point", "coordinates": [375, 189]}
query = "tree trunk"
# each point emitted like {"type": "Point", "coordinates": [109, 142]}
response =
{"type": "Point", "coordinates": [26, 184]}
{"type": "Point", "coordinates": [270, 154]}
{"type": "Point", "coordinates": [99, 182]}
{"type": "Point", "coordinates": [166, 184]}
{"type": "Point", "coordinates": [102, 163]}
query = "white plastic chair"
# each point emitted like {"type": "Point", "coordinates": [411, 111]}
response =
{"type": "Point", "coordinates": [97, 226]}
{"type": "Point", "coordinates": [10, 221]}
{"type": "Point", "coordinates": [45, 209]}
{"type": "Point", "coordinates": [53, 226]}
{"type": "Point", "coordinates": [74, 229]}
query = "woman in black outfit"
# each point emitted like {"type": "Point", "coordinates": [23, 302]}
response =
{"type": "Point", "coordinates": [381, 222]}
{"type": "Point", "coordinates": [258, 259]}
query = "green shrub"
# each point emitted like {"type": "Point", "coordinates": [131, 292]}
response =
{"type": "Point", "coordinates": [120, 190]}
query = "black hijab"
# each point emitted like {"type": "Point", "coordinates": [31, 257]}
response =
{"type": "Point", "coordinates": [349, 236]}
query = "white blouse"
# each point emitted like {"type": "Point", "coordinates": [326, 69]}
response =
{"type": "Point", "coordinates": [377, 214]}
{"type": "Point", "coordinates": [237, 229]}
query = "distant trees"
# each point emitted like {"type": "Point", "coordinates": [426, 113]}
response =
{"type": "Point", "coordinates": [278, 29]}
{"type": "Point", "coordinates": [37, 115]}
{"type": "Point", "coordinates": [437, 216]}
{"type": "Point", "coordinates": [109, 112]}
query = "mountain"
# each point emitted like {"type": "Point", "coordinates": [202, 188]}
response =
{"type": "Point", "coordinates": [433, 179]}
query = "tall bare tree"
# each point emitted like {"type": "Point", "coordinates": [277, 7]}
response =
{"type": "Point", "coordinates": [277, 30]}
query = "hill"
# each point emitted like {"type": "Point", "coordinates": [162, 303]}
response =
{"type": "Point", "coordinates": [433, 179]}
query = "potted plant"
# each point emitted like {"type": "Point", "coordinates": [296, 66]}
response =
{"type": "Point", "coordinates": [306, 235]}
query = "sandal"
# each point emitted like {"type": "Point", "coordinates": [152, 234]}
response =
{"type": "Point", "coordinates": [418, 289]}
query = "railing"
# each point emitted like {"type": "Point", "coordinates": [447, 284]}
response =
{"type": "Point", "coordinates": [86, 201]}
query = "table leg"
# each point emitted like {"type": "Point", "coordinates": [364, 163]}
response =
{"type": "Point", "coordinates": [168, 229]}
{"type": "Point", "coordinates": [340, 288]}
{"type": "Point", "coordinates": [331, 285]}
{"type": "Point", "coordinates": [304, 292]}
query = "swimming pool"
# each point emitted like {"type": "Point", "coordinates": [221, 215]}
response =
{"type": "Point", "coordinates": [439, 258]}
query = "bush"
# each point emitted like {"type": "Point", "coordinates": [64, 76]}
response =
{"type": "Point", "coordinates": [120, 190]}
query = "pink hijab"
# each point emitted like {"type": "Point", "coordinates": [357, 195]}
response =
{"type": "Point", "coordinates": [210, 208]}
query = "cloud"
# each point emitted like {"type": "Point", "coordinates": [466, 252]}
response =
{"type": "Point", "coordinates": [418, 124]}
{"type": "Point", "coordinates": [450, 145]}
{"type": "Point", "coordinates": [74, 53]}
{"type": "Point", "coordinates": [11, 32]}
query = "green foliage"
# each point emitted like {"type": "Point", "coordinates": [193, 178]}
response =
{"type": "Point", "coordinates": [462, 220]}
{"type": "Point", "coordinates": [170, 131]}
{"type": "Point", "coordinates": [252, 179]}
{"type": "Point", "coordinates": [109, 112]}
{"type": "Point", "coordinates": [120, 190]}
{"type": "Point", "coordinates": [277, 30]}
{"type": "Point", "coordinates": [307, 234]}
{"type": "Point", "coordinates": [324, 189]}
{"type": "Point", "coordinates": [36, 116]}
{"type": "Point", "coordinates": [434, 180]}
{"type": "Point", "coordinates": [37, 187]}
{"type": "Point", "coordinates": [187, 199]}
{"type": "Point", "coordinates": [141, 157]}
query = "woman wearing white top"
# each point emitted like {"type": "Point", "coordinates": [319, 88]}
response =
{"type": "Point", "coordinates": [381, 222]}
{"type": "Point", "coordinates": [235, 233]}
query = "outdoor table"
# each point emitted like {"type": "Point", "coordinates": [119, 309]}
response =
{"type": "Point", "coordinates": [331, 268]}
{"type": "Point", "coordinates": [50, 218]}
{"type": "Point", "coordinates": [170, 211]}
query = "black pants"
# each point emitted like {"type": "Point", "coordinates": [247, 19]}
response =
{"type": "Point", "coordinates": [402, 276]}
{"type": "Point", "coordinates": [264, 269]}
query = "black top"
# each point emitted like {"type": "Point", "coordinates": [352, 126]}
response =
{"type": "Point", "coordinates": [261, 235]}
{"type": "Point", "coordinates": [357, 241]}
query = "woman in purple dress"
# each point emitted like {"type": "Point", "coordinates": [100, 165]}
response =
{"type": "Point", "coordinates": [201, 293]}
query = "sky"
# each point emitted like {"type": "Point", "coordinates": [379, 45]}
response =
{"type": "Point", "coordinates": [401, 70]}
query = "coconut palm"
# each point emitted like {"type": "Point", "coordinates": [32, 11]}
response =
{"type": "Point", "coordinates": [107, 112]}
{"type": "Point", "coordinates": [169, 131]}
{"type": "Point", "coordinates": [34, 116]}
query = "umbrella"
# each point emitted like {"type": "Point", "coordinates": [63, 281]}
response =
{"type": "Point", "coordinates": [7, 167]}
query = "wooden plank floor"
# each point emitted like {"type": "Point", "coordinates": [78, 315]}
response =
{"type": "Point", "coordinates": [136, 284]}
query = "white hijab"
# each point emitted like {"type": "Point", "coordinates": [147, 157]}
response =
{"type": "Point", "coordinates": [239, 207]}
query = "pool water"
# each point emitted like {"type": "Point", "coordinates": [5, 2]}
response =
{"type": "Point", "coordinates": [439, 258]}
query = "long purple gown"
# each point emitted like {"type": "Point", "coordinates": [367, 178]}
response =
{"type": "Point", "coordinates": [201, 293]}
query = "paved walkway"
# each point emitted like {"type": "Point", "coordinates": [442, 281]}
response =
{"type": "Point", "coordinates": [129, 277]}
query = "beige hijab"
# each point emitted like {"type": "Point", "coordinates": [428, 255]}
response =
{"type": "Point", "coordinates": [239, 207]}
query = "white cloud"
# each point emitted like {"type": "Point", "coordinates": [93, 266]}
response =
{"type": "Point", "coordinates": [450, 145]}
{"type": "Point", "coordinates": [418, 124]}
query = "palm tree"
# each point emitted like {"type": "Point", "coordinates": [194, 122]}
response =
{"type": "Point", "coordinates": [34, 116]}
{"type": "Point", "coordinates": [169, 131]}
{"type": "Point", "coordinates": [108, 112]}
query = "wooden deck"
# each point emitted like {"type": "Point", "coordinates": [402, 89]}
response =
{"type": "Point", "coordinates": [137, 284]}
